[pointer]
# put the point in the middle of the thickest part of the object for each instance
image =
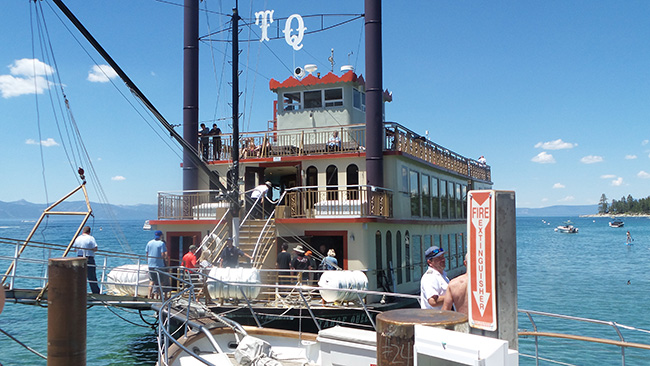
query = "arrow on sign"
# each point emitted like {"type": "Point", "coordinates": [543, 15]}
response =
{"type": "Point", "coordinates": [480, 220]}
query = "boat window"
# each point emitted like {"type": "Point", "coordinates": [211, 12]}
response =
{"type": "Point", "coordinates": [332, 182]}
{"type": "Point", "coordinates": [352, 179]}
{"type": "Point", "coordinates": [359, 100]}
{"type": "Point", "coordinates": [426, 196]}
{"type": "Point", "coordinates": [292, 101]}
{"type": "Point", "coordinates": [459, 202]}
{"type": "Point", "coordinates": [400, 264]}
{"type": "Point", "coordinates": [404, 186]}
{"type": "Point", "coordinates": [415, 193]}
{"type": "Point", "coordinates": [313, 99]}
{"type": "Point", "coordinates": [464, 197]}
{"type": "Point", "coordinates": [312, 181]}
{"type": "Point", "coordinates": [445, 246]}
{"type": "Point", "coordinates": [435, 199]}
{"type": "Point", "coordinates": [407, 253]}
{"type": "Point", "coordinates": [427, 244]}
{"type": "Point", "coordinates": [334, 97]}
{"type": "Point", "coordinates": [390, 266]}
{"type": "Point", "coordinates": [454, 252]}
{"type": "Point", "coordinates": [452, 199]}
{"type": "Point", "coordinates": [416, 255]}
{"type": "Point", "coordinates": [378, 260]}
{"type": "Point", "coordinates": [444, 201]}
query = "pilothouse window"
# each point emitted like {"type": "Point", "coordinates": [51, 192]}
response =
{"type": "Point", "coordinates": [292, 101]}
{"type": "Point", "coordinates": [359, 100]}
{"type": "Point", "coordinates": [333, 97]}
{"type": "Point", "coordinates": [313, 99]}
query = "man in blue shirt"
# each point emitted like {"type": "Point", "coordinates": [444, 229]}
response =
{"type": "Point", "coordinates": [86, 247]}
{"type": "Point", "coordinates": [156, 258]}
{"type": "Point", "coordinates": [230, 255]}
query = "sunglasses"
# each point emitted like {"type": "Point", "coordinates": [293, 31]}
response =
{"type": "Point", "coordinates": [435, 253]}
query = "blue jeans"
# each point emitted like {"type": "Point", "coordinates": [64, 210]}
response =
{"type": "Point", "coordinates": [92, 275]}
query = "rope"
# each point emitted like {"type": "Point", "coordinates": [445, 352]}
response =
{"type": "Point", "coordinates": [24, 345]}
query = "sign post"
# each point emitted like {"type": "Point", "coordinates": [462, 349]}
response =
{"type": "Point", "coordinates": [492, 264]}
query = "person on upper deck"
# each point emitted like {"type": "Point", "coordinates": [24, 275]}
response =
{"type": "Point", "coordinates": [434, 282]}
{"type": "Point", "coordinates": [215, 132]}
{"type": "Point", "coordinates": [334, 143]}
{"type": "Point", "coordinates": [204, 141]}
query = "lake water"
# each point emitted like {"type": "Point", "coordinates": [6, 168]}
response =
{"type": "Point", "coordinates": [583, 275]}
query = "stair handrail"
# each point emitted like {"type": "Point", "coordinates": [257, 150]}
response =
{"type": "Point", "coordinates": [213, 236]}
{"type": "Point", "coordinates": [267, 224]}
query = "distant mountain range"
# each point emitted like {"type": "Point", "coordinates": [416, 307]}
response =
{"type": "Point", "coordinates": [558, 210]}
{"type": "Point", "coordinates": [23, 210]}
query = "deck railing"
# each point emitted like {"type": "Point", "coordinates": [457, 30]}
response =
{"type": "Point", "coordinates": [304, 142]}
{"type": "Point", "coordinates": [338, 201]}
{"type": "Point", "coordinates": [188, 205]}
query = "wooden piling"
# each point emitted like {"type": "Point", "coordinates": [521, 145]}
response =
{"type": "Point", "coordinates": [66, 312]}
{"type": "Point", "coordinates": [395, 332]}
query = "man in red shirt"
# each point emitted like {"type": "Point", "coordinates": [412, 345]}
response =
{"type": "Point", "coordinates": [189, 259]}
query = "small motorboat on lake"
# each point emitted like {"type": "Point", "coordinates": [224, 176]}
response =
{"type": "Point", "coordinates": [567, 228]}
{"type": "Point", "coordinates": [616, 223]}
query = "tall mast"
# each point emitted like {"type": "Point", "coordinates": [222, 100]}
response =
{"type": "Point", "coordinates": [233, 182]}
{"type": "Point", "coordinates": [190, 91]}
{"type": "Point", "coordinates": [374, 95]}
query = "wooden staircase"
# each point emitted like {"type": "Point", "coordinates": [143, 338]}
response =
{"type": "Point", "coordinates": [249, 233]}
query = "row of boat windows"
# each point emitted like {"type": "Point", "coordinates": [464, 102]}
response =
{"type": "Point", "coordinates": [314, 99]}
{"type": "Point", "coordinates": [433, 197]}
{"type": "Point", "coordinates": [332, 176]}
{"type": "Point", "coordinates": [409, 264]}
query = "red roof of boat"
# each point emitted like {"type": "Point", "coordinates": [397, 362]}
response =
{"type": "Point", "coordinates": [310, 79]}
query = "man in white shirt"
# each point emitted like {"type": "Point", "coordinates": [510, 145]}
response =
{"type": "Point", "coordinates": [257, 194]}
{"type": "Point", "coordinates": [433, 284]}
{"type": "Point", "coordinates": [86, 247]}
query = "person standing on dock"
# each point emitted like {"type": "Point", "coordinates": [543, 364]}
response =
{"type": "Point", "coordinates": [456, 295]}
{"type": "Point", "coordinates": [156, 258]}
{"type": "Point", "coordinates": [86, 247]}
{"type": "Point", "coordinates": [434, 282]}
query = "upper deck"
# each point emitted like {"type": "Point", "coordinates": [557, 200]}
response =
{"type": "Point", "coordinates": [279, 145]}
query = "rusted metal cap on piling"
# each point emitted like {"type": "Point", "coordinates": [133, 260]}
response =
{"type": "Point", "coordinates": [395, 332]}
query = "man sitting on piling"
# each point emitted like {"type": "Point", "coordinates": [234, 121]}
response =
{"type": "Point", "coordinates": [434, 282]}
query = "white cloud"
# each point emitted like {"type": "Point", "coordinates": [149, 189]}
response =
{"type": "Point", "coordinates": [544, 199]}
{"type": "Point", "coordinates": [608, 176]}
{"type": "Point", "coordinates": [101, 74]}
{"type": "Point", "coordinates": [644, 142]}
{"type": "Point", "coordinates": [567, 199]}
{"type": "Point", "coordinates": [617, 182]}
{"type": "Point", "coordinates": [27, 77]}
{"type": "Point", "coordinates": [555, 145]}
{"type": "Point", "coordinates": [591, 159]}
{"type": "Point", "coordinates": [558, 185]}
{"type": "Point", "coordinates": [543, 158]}
{"type": "Point", "coordinates": [630, 157]}
{"type": "Point", "coordinates": [118, 178]}
{"type": "Point", "coordinates": [643, 174]}
{"type": "Point", "coordinates": [30, 68]}
{"type": "Point", "coordinates": [47, 143]}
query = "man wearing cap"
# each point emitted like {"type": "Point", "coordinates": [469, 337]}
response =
{"type": "Point", "coordinates": [300, 262]}
{"type": "Point", "coordinates": [156, 258]}
{"type": "Point", "coordinates": [230, 255]}
{"type": "Point", "coordinates": [86, 247]}
{"type": "Point", "coordinates": [433, 284]}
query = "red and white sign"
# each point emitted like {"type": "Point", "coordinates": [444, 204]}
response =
{"type": "Point", "coordinates": [480, 268]}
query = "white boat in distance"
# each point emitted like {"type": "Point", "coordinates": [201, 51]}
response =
{"type": "Point", "coordinates": [616, 223]}
{"type": "Point", "coordinates": [567, 228]}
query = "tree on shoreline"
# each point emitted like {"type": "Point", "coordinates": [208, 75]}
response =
{"type": "Point", "coordinates": [625, 205]}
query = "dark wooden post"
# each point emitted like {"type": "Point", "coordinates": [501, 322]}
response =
{"type": "Point", "coordinates": [66, 312]}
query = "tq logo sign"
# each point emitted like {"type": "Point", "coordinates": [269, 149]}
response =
{"type": "Point", "coordinates": [265, 18]}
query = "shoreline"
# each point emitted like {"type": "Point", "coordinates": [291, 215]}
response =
{"type": "Point", "coordinates": [612, 216]}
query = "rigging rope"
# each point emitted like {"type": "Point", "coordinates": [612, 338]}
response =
{"type": "Point", "coordinates": [23, 344]}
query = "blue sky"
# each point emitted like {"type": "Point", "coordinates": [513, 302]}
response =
{"type": "Point", "coordinates": [555, 94]}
